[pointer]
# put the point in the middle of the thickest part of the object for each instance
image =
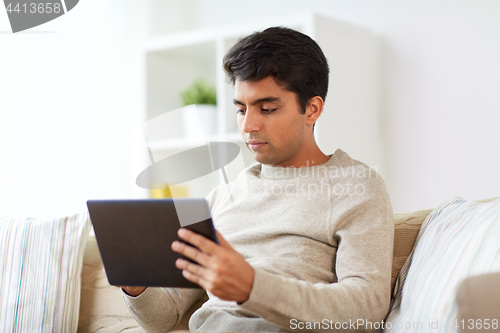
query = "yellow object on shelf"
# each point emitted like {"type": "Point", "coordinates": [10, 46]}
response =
{"type": "Point", "coordinates": [177, 191]}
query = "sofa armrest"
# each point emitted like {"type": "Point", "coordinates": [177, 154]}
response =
{"type": "Point", "coordinates": [478, 299]}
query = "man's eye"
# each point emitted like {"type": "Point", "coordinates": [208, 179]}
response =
{"type": "Point", "coordinates": [268, 110]}
{"type": "Point", "coordinates": [240, 111]}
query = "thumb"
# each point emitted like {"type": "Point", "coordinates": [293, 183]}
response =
{"type": "Point", "coordinates": [223, 242]}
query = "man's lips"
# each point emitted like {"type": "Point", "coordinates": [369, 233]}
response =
{"type": "Point", "coordinates": [255, 144]}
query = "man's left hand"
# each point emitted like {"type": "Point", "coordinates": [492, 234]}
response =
{"type": "Point", "coordinates": [220, 269]}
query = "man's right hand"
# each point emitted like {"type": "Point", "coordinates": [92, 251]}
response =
{"type": "Point", "coordinates": [133, 291]}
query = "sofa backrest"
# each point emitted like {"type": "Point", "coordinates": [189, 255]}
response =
{"type": "Point", "coordinates": [406, 227]}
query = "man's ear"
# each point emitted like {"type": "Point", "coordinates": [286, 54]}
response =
{"type": "Point", "coordinates": [314, 109]}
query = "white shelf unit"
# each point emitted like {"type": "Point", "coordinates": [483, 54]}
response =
{"type": "Point", "coordinates": [350, 117]}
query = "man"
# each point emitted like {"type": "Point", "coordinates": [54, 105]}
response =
{"type": "Point", "coordinates": [307, 237]}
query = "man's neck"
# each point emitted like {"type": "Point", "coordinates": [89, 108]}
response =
{"type": "Point", "coordinates": [311, 155]}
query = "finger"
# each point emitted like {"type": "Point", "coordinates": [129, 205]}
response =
{"type": "Point", "coordinates": [193, 268]}
{"type": "Point", "coordinates": [194, 273]}
{"type": "Point", "coordinates": [223, 242]}
{"type": "Point", "coordinates": [195, 278]}
{"type": "Point", "coordinates": [191, 252]}
{"type": "Point", "coordinates": [223, 292]}
{"type": "Point", "coordinates": [133, 291]}
{"type": "Point", "coordinates": [198, 240]}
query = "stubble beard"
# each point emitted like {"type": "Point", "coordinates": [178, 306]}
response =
{"type": "Point", "coordinates": [274, 158]}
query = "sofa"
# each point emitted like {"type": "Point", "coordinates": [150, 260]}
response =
{"type": "Point", "coordinates": [103, 310]}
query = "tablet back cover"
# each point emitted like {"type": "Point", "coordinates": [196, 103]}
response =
{"type": "Point", "coordinates": [135, 236]}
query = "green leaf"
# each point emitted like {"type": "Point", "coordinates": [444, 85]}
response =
{"type": "Point", "coordinates": [200, 92]}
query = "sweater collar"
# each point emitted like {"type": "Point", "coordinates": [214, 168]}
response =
{"type": "Point", "coordinates": [270, 172]}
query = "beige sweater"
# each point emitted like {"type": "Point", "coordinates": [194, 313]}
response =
{"type": "Point", "coordinates": [320, 239]}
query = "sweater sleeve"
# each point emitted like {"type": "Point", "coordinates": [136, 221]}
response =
{"type": "Point", "coordinates": [364, 233]}
{"type": "Point", "coordinates": [161, 309]}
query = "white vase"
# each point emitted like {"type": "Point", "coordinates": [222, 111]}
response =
{"type": "Point", "coordinates": [200, 121]}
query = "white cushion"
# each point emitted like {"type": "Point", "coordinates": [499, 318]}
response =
{"type": "Point", "coordinates": [40, 272]}
{"type": "Point", "coordinates": [458, 239]}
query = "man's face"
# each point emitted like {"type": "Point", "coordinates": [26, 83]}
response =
{"type": "Point", "coordinates": [270, 122]}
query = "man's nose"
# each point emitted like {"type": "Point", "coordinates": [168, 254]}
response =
{"type": "Point", "coordinates": [252, 121]}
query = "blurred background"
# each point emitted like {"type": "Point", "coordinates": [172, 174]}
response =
{"type": "Point", "coordinates": [425, 92]}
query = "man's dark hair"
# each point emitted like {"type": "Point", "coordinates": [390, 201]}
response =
{"type": "Point", "coordinates": [294, 59]}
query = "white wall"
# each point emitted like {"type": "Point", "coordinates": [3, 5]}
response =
{"type": "Point", "coordinates": [68, 93]}
{"type": "Point", "coordinates": [440, 82]}
{"type": "Point", "coordinates": [69, 96]}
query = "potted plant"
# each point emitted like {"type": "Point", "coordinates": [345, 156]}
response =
{"type": "Point", "coordinates": [201, 94]}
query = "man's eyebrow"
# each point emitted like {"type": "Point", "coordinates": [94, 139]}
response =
{"type": "Point", "coordinates": [260, 100]}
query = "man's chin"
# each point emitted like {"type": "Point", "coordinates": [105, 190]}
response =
{"type": "Point", "coordinates": [259, 158]}
{"type": "Point", "coordinates": [262, 159]}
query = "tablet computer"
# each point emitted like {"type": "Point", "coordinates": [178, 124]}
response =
{"type": "Point", "coordinates": [134, 238]}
